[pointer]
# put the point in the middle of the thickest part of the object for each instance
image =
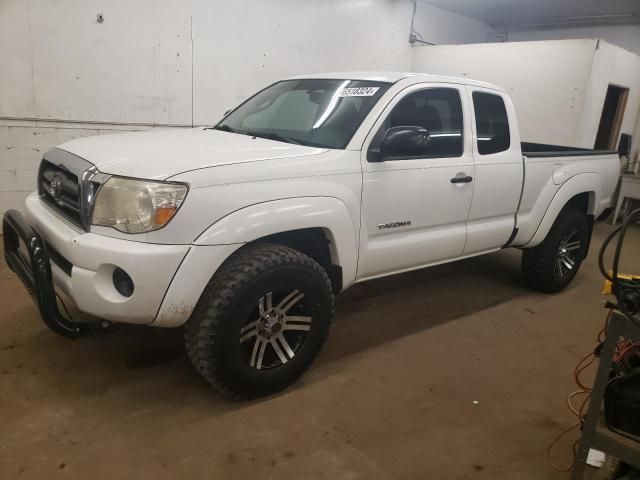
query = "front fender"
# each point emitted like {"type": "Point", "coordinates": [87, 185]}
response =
{"type": "Point", "coordinates": [277, 216]}
{"type": "Point", "coordinates": [583, 183]}
{"type": "Point", "coordinates": [210, 250]}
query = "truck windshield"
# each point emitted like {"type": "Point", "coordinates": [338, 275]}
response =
{"type": "Point", "coordinates": [314, 112]}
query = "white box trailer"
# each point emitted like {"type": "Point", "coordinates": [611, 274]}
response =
{"type": "Point", "coordinates": [578, 93]}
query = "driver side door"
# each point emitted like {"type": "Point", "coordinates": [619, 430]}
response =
{"type": "Point", "coordinates": [415, 208]}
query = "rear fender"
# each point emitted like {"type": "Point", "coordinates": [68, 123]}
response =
{"type": "Point", "coordinates": [582, 183]}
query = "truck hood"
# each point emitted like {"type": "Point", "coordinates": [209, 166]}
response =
{"type": "Point", "coordinates": [163, 153]}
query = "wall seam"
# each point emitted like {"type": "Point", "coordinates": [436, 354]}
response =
{"type": "Point", "coordinates": [33, 79]}
{"type": "Point", "coordinates": [91, 122]}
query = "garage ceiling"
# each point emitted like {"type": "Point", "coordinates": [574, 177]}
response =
{"type": "Point", "coordinates": [541, 13]}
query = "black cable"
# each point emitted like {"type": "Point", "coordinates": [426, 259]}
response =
{"type": "Point", "coordinates": [423, 42]}
{"type": "Point", "coordinates": [416, 36]}
{"type": "Point", "coordinates": [621, 230]}
{"type": "Point", "coordinates": [626, 221]}
{"type": "Point", "coordinates": [603, 249]}
{"type": "Point", "coordinates": [413, 18]}
{"type": "Point", "coordinates": [616, 282]}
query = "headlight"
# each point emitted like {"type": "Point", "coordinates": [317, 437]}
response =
{"type": "Point", "coordinates": [137, 206]}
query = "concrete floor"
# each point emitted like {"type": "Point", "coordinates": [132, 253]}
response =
{"type": "Point", "coordinates": [392, 395]}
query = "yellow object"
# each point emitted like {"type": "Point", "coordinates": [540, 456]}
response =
{"type": "Point", "coordinates": [622, 276]}
{"type": "Point", "coordinates": [164, 214]}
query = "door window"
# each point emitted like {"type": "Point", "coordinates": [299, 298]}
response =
{"type": "Point", "coordinates": [438, 110]}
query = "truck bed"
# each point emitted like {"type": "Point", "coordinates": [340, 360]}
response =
{"type": "Point", "coordinates": [555, 173]}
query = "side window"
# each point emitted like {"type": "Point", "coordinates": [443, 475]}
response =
{"type": "Point", "coordinates": [492, 123]}
{"type": "Point", "coordinates": [439, 110]}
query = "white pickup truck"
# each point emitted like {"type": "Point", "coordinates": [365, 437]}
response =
{"type": "Point", "coordinates": [244, 232]}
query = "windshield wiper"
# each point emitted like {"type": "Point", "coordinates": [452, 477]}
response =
{"type": "Point", "coordinates": [274, 136]}
{"type": "Point", "coordinates": [224, 128]}
{"type": "Point", "coordinates": [267, 135]}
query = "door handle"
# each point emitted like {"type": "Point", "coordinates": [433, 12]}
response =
{"type": "Point", "coordinates": [462, 179]}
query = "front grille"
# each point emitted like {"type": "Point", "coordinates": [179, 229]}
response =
{"type": "Point", "coordinates": [60, 189]}
{"type": "Point", "coordinates": [68, 184]}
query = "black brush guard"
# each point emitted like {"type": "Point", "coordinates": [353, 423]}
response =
{"type": "Point", "coordinates": [32, 266]}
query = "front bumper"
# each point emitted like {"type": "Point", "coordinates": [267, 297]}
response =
{"type": "Point", "coordinates": [81, 265]}
{"type": "Point", "coordinates": [26, 255]}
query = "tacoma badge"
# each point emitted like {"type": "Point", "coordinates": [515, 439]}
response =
{"type": "Point", "coordinates": [384, 226]}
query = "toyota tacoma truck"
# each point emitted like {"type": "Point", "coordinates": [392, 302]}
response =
{"type": "Point", "coordinates": [242, 233]}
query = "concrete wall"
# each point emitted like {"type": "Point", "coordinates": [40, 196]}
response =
{"type": "Point", "coordinates": [137, 65]}
{"type": "Point", "coordinates": [558, 87]}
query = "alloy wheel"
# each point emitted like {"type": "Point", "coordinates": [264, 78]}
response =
{"type": "Point", "coordinates": [567, 254]}
{"type": "Point", "coordinates": [279, 331]}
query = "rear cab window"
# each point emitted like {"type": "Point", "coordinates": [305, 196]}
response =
{"type": "Point", "coordinates": [492, 123]}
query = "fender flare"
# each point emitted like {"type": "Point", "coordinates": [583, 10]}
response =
{"type": "Point", "coordinates": [582, 183]}
{"type": "Point", "coordinates": [278, 216]}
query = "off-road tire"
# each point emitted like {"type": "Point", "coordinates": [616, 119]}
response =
{"type": "Point", "coordinates": [539, 263]}
{"type": "Point", "coordinates": [212, 332]}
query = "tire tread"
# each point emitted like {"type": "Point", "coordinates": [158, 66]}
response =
{"type": "Point", "coordinates": [202, 329]}
{"type": "Point", "coordinates": [538, 262]}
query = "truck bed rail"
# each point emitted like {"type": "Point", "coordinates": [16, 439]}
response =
{"type": "Point", "coordinates": [533, 150]}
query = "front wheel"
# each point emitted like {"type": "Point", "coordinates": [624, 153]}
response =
{"type": "Point", "coordinates": [553, 264]}
{"type": "Point", "coordinates": [261, 321]}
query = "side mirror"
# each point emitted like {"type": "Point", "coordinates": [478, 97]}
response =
{"type": "Point", "coordinates": [410, 141]}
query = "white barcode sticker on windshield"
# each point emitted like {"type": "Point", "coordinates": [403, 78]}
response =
{"type": "Point", "coordinates": [358, 92]}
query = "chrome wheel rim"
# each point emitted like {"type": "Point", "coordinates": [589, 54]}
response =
{"type": "Point", "coordinates": [279, 331]}
{"type": "Point", "coordinates": [567, 255]}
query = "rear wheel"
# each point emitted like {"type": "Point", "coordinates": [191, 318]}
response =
{"type": "Point", "coordinates": [261, 321]}
{"type": "Point", "coordinates": [553, 264]}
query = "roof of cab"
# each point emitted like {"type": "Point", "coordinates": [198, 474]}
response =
{"type": "Point", "coordinates": [393, 77]}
